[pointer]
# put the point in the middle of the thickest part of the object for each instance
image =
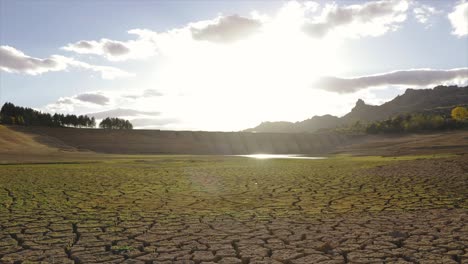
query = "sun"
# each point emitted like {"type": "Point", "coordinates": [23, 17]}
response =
{"type": "Point", "coordinates": [267, 76]}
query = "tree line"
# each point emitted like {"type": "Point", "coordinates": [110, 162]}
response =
{"type": "Point", "coordinates": [11, 114]}
{"type": "Point", "coordinates": [415, 122]}
{"type": "Point", "coordinates": [115, 123]}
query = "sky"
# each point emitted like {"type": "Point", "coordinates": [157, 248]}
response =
{"type": "Point", "coordinates": [225, 65]}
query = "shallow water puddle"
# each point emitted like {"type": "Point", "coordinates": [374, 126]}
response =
{"type": "Point", "coordinates": [278, 156]}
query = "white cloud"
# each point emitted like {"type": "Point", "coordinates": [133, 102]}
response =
{"type": "Point", "coordinates": [145, 94]}
{"type": "Point", "coordinates": [423, 13]}
{"type": "Point", "coordinates": [368, 19]}
{"type": "Point", "coordinates": [407, 78]}
{"type": "Point", "coordinates": [106, 72]}
{"type": "Point", "coordinates": [293, 18]}
{"type": "Point", "coordinates": [204, 81]}
{"type": "Point", "coordinates": [93, 98]}
{"type": "Point", "coordinates": [63, 104]}
{"type": "Point", "coordinates": [84, 100]}
{"type": "Point", "coordinates": [153, 122]}
{"type": "Point", "coordinates": [226, 29]}
{"type": "Point", "coordinates": [122, 112]}
{"type": "Point", "coordinates": [113, 50]}
{"type": "Point", "coordinates": [108, 104]}
{"type": "Point", "coordinates": [94, 102]}
{"type": "Point", "coordinates": [459, 19]}
{"type": "Point", "coordinates": [15, 61]}
{"type": "Point", "coordinates": [151, 93]}
{"type": "Point", "coordinates": [263, 72]}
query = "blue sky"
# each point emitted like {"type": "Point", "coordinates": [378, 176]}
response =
{"type": "Point", "coordinates": [225, 65]}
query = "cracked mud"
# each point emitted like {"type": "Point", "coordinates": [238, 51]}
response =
{"type": "Point", "coordinates": [236, 210]}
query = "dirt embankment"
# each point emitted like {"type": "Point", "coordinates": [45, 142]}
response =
{"type": "Point", "coordinates": [413, 144]}
{"type": "Point", "coordinates": [20, 146]}
{"type": "Point", "coordinates": [22, 143]}
{"type": "Point", "coordinates": [182, 142]}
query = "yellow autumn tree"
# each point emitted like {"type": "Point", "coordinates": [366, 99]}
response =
{"type": "Point", "coordinates": [460, 113]}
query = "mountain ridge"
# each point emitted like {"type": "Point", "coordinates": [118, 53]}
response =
{"type": "Point", "coordinates": [413, 100]}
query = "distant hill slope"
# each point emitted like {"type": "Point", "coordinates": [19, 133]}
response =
{"type": "Point", "coordinates": [411, 101]}
{"type": "Point", "coordinates": [12, 140]}
{"type": "Point", "coordinates": [440, 99]}
{"type": "Point", "coordinates": [187, 142]}
{"type": "Point", "coordinates": [51, 144]}
{"type": "Point", "coordinates": [19, 146]}
{"type": "Point", "coordinates": [309, 125]}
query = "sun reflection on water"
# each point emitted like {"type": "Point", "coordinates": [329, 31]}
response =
{"type": "Point", "coordinates": [279, 156]}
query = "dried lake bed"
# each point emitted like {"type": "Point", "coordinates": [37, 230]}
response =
{"type": "Point", "coordinates": [220, 209]}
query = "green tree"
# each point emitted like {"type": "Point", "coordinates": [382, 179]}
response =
{"type": "Point", "coordinates": [115, 123]}
{"type": "Point", "coordinates": [16, 115]}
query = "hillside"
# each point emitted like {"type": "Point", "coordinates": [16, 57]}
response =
{"type": "Point", "coordinates": [46, 145]}
{"type": "Point", "coordinates": [178, 142]}
{"type": "Point", "coordinates": [14, 141]}
{"type": "Point", "coordinates": [22, 146]}
{"type": "Point", "coordinates": [440, 99]}
{"type": "Point", "coordinates": [312, 124]}
{"type": "Point", "coordinates": [454, 142]}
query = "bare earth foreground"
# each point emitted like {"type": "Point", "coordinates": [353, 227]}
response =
{"type": "Point", "coordinates": [89, 208]}
{"type": "Point", "coordinates": [61, 203]}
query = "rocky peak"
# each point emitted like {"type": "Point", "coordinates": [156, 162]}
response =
{"type": "Point", "coordinates": [360, 106]}
{"type": "Point", "coordinates": [360, 103]}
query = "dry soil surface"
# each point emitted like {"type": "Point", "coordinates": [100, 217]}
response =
{"type": "Point", "coordinates": [218, 210]}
